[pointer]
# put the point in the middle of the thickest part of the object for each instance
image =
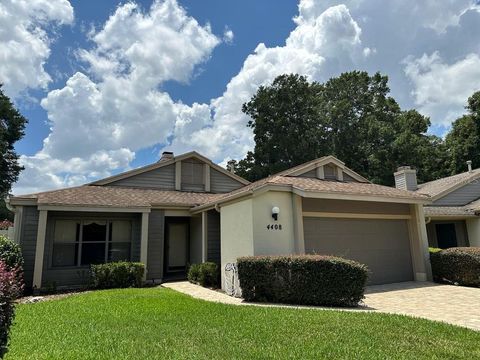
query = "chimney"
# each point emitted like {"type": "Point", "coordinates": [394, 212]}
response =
{"type": "Point", "coordinates": [166, 155]}
{"type": "Point", "coordinates": [469, 164]}
{"type": "Point", "coordinates": [406, 178]}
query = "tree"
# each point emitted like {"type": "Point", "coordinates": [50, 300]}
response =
{"type": "Point", "coordinates": [12, 126]}
{"type": "Point", "coordinates": [463, 140]}
{"type": "Point", "coordinates": [351, 116]}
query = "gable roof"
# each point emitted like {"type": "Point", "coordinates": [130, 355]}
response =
{"type": "Point", "coordinates": [160, 164]}
{"type": "Point", "coordinates": [287, 180]}
{"type": "Point", "coordinates": [324, 160]}
{"type": "Point", "coordinates": [441, 187]}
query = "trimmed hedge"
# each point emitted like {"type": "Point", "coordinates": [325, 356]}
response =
{"type": "Point", "coordinates": [206, 274]}
{"type": "Point", "coordinates": [10, 289]}
{"type": "Point", "coordinates": [302, 280]}
{"type": "Point", "coordinates": [458, 265]}
{"type": "Point", "coordinates": [120, 274]}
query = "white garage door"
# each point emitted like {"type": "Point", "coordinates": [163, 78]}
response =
{"type": "Point", "coordinates": [382, 245]}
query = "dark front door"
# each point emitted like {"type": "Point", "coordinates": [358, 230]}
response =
{"type": "Point", "coordinates": [176, 247]}
{"type": "Point", "coordinates": [446, 235]}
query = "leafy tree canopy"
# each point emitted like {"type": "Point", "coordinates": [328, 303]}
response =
{"type": "Point", "coordinates": [12, 126]}
{"type": "Point", "coordinates": [351, 117]}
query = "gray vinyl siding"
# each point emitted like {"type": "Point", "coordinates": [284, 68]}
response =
{"type": "Point", "coordinates": [156, 241]}
{"type": "Point", "coordinates": [161, 178]}
{"type": "Point", "coordinates": [348, 178]}
{"type": "Point", "coordinates": [462, 196]}
{"type": "Point", "coordinates": [222, 183]}
{"type": "Point", "coordinates": [310, 174]}
{"type": "Point", "coordinates": [193, 175]}
{"type": "Point", "coordinates": [360, 207]}
{"type": "Point", "coordinates": [460, 230]}
{"type": "Point", "coordinates": [382, 245]}
{"type": "Point", "coordinates": [28, 241]}
{"type": "Point", "coordinates": [330, 172]}
{"type": "Point", "coordinates": [75, 275]}
{"type": "Point", "coordinates": [213, 235]}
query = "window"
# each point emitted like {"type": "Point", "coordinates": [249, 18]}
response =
{"type": "Point", "coordinates": [86, 242]}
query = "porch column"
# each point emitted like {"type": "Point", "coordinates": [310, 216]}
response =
{"type": "Point", "coordinates": [204, 236]}
{"type": "Point", "coordinates": [298, 224]}
{"type": "Point", "coordinates": [40, 249]}
{"type": "Point", "coordinates": [419, 244]}
{"type": "Point", "coordinates": [144, 242]}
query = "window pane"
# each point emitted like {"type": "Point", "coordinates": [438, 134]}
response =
{"type": "Point", "coordinates": [95, 231]}
{"type": "Point", "coordinates": [66, 231]}
{"type": "Point", "coordinates": [93, 253]}
{"type": "Point", "coordinates": [64, 254]}
{"type": "Point", "coordinates": [121, 231]}
{"type": "Point", "coordinates": [119, 252]}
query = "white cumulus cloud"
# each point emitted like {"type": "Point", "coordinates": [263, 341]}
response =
{"type": "Point", "coordinates": [440, 89]}
{"type": "Point", "coordinates": [25, 41]}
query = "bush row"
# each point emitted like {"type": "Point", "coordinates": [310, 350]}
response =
{"type": "Point", "coordinates": [11, 286]}
{"type": "Point", "coordinates": [205, 274]}
{"type": "Point", "coordinates": [303, 280]}
{"type": "Point", "coordinates": [459, 265]}
{"type": "Point", "coordinates": [117, 275]}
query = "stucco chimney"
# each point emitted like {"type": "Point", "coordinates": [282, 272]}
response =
{"type": "Point", "coordinates": [166, 155]}
{"type": "Point", "coordinates": [469, 164]}
{"type": "Point", "coordinates": [406, 178]}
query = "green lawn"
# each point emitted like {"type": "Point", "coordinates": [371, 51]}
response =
{"type": "Point", "coordinates": [158, 323]}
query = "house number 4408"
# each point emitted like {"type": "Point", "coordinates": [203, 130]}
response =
{"type": "Point", "coordinates": [274, 226]}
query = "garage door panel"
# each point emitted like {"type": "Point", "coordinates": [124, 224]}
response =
{"type": "Point", "coordinates": [383, 245]}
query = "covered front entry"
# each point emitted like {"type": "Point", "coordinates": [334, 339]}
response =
{"type": "Point", "coordinates": [381, 244]}
{"type": "Point", "coordinates": [177, 247]}
{"type": "Point", "coordinates": [445, 234]}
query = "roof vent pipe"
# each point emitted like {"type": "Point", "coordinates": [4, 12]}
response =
{"type": "Point", "coordinates": [469, 164]}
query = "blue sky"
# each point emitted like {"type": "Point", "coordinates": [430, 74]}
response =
{"type": "Point", "coordinates": [108, 85]}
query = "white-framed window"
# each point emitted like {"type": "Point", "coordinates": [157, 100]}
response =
{"type": "Point", "coordinates": [86, 242]}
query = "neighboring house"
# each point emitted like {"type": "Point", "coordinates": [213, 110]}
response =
{"type": "Point", "coordinates": [185, 209]}
{"type": "Point", "coordinates": [452, 219]}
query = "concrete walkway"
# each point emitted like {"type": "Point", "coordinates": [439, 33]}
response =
{"type": "Point", "coordinates": [456, 305]}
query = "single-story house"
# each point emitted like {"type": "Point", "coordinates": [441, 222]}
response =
{"type": "Point", "coordinates": [186, 209]}
{"type": "Point", "coordinates": [452, 218]}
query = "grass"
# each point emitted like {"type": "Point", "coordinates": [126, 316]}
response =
{"type": "Point", "coordinates": [158, 323]}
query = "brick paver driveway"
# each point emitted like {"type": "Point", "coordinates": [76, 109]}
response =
{"type": "Point", "coordinates": [456, 305]}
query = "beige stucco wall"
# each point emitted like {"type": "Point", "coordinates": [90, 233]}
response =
{"type": "Point", "coordinates": [473, 229]}
{"type": "Point", "coordinates": [276, 241]}
{"type": "Point", "coordinates": [236, 230]}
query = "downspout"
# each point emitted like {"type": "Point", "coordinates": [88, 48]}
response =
{"type": "Point", "coordinates": [427, 220]}
{"type": "Point", "coordinates": [7, 204]}
{"type": "Point", "coordinates": [217, 207]}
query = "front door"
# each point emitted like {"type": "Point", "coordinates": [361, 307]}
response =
{"type": "Point", "coordinates": [176, 247]}
{"type": "Point", "coordinates": [446, 235]}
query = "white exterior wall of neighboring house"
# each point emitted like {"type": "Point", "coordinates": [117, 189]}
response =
{"type": "Point", "coordinates": [8, 233]}
{"type": "Point", "coordinates": [473, 229]}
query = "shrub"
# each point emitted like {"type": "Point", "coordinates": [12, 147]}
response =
{"type": "Point", "coordinates": [117, 275]}
{"type": "Point", "coordinates": [5, 224]}
{"type": "Point", "coordinates": [432, 250]}
{"type": "Point", "coordinates": [460, 265]}
{"type": "Point", "coordinates": [10, 253]}
{"type": "Point", "coordinates": [205, 274]}
{"type": "Point", "coordinates": [10, 289]}
{"type": "Point", "coordinates": [302, 280]}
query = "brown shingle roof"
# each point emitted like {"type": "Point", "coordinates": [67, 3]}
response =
{"type": "Point", "coordinates": [448, 211]}
{"type": "Point", "coordinates": [437, 187]}
{"type": "Point", "coordinates": [323, 186]}
{"type": "Point", "coordinates": [115, 196]}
